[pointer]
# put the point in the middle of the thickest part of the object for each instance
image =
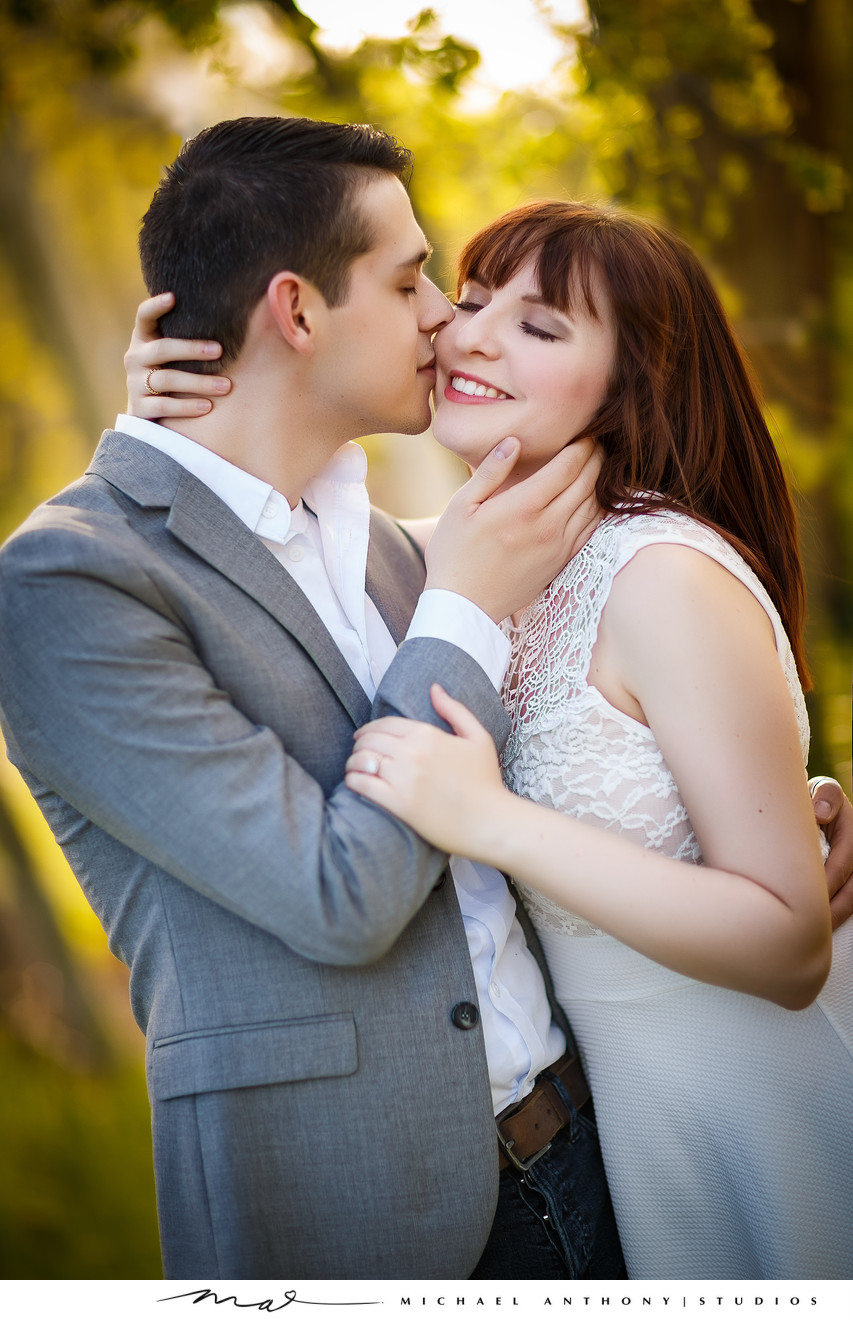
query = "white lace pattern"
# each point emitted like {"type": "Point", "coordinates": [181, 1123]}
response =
{"type": "Point", "coordinates": [569, 747]}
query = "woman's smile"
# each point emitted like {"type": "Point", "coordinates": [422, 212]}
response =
{"type": "Point", "coordinates": [548, 369]}
{"type": "Point", "coordinates": [463, 388]}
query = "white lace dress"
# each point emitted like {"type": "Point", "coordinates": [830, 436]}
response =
{"type": "Point", "coordinates": [726, 1122]}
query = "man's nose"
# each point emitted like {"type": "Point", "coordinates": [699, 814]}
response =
{"type": "Point", "coordinates": [436, 311]}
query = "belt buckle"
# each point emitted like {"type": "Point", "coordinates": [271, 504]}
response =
{"type": "Point", "coordinates": [520, 1163]}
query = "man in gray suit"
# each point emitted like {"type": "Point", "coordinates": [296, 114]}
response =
{"type": "Point", "coordinates": [190, 635]}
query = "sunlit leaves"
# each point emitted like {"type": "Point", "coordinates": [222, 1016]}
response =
{"type": "Point", "coordinates": [706, 73]}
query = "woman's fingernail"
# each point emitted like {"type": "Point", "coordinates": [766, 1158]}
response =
{"type": "Point", "coordinates": [212, 350]}
{"type": "Point", "coordinates": [500, 451]}
{"type": "Point", "coordinates": [221, 387]}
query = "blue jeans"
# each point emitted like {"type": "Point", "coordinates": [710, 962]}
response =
{"type": "Point", "coordinates": [555, 1222]}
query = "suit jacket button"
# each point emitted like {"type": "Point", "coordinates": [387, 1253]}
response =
{"type": "Point", "coordinates": [465, 1015]}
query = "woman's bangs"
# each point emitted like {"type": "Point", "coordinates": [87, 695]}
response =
{"type": "Point", "coordinates": [551, 238]}
{"type": "Point", "coordinates": [564, 273]}
{"type": "Point", "coordinates": [494, 255]}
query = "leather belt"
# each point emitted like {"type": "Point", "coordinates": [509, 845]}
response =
{"type": "Point", "coordinates": [526, 1130]}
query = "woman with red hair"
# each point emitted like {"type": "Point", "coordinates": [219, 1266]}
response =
{"type": "Point", "coordinates": [658, 675]}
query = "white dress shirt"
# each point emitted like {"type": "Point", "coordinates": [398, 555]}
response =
{"type": "Point", "coordinates": [322, 544]}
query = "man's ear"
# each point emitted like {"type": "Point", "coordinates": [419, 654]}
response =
{"type": "Point", "coordinates": [296, 306]}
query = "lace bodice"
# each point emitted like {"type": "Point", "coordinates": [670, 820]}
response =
{"type": "Point", "coordinates": [569, 747]}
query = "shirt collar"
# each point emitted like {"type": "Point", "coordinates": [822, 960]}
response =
{"type": "Point", "coordinates": [255, 502]}
{"type": "Point", "coordinates": [346, 467]}
{"type": "Point", "coordinates": [244, 494]}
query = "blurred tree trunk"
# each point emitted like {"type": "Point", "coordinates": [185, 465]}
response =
{"type": "Point", "coordinates": [793, 271]}
{"type": "Point", "coordinates": [42, 999]}
{"type": "Point", "coordinates": [747, 148]}
{"type": "Point", "coordinates": [26, 242]}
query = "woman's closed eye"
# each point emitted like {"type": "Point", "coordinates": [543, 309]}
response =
{"type": "Point", "coordinates": [538, 332]}
{"type": "Point", "coordinates": [466, 305]}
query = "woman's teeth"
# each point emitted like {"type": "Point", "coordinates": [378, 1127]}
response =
{"type": "Point", "coordinates": [464, 386]}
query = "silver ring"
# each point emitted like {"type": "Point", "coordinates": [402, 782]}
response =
{"type": "Point", "coordinates": [817, 780]}
{"type": "Point", "coordinates": [148, 386]}
{"type": "Point", "coordinates": [371, 765]}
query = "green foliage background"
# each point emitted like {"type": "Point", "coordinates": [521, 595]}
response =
{"type": "Point", "coordinates": [731, 119]}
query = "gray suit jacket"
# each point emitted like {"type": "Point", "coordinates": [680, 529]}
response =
{"type": "Point", "coordinates": [183, 718]}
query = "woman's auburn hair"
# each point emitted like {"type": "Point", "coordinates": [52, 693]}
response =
{"type": "Point", "coordinates": [682, 425]}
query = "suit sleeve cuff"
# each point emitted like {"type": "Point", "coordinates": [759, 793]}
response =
{"type": "Point", "coordinates": [453, 618]}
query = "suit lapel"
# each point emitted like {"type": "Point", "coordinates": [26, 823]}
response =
{"type": "Point", "coordinates": [205, 525]}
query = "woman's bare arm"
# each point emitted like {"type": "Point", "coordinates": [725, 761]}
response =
{"type": "Point", "coordinates": [704, 673]}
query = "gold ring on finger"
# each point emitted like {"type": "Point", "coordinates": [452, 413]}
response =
{"type": "Point", "coordinates": [148, 386]}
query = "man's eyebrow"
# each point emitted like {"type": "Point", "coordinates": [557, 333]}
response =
{"type": "Point", "coordinates": [419, 260]}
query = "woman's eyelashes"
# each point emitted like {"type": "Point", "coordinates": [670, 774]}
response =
{"type": "Point", "coordinates": [466, 305]}
{"type": "Point", "coordinates": [536, 331]}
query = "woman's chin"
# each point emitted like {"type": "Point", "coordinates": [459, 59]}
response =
{"type": "Point", "coordinates": [469, 451]}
